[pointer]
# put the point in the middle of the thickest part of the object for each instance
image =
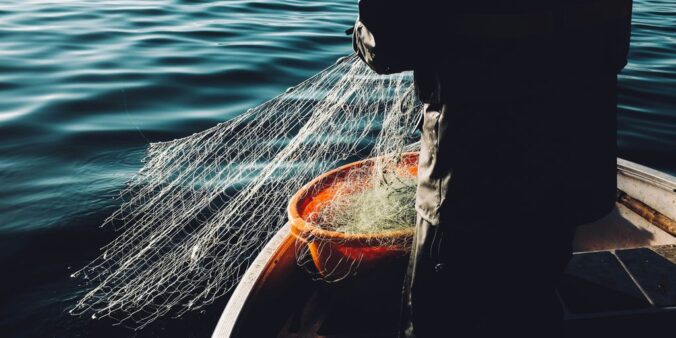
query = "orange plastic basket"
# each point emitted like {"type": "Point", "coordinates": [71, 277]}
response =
{"type": "Point", "coordinates": [336, 251]}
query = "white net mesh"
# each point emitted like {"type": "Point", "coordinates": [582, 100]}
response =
{"type": "Point", "coordinates": [202, 206]}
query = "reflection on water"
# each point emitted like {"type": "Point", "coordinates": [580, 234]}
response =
{"type": "Point", "coordinates": [85, 85]}
{"type": "Point", "coordinates": [647, 100]}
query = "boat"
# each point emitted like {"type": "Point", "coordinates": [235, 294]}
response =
{"type": "Point", "coordinates": [621, 281]}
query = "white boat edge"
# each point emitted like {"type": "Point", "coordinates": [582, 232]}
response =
{"type": "Point", "coordinates": [251, 278]}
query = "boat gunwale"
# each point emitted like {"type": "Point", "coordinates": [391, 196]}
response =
{"type": "Point", "coordinates": [250, 281]}
{"type": "Point", "coordinates": [647, 175]}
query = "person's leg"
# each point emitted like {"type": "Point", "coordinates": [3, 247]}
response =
{"type": "Point", "coordinates": [471, 281]}
{"type": "Point", "coordinates": [414, 310]}
{"type": "Point", "coordinates": [430, 299]}
{"type": "Point", "coordinates": [505, 277]}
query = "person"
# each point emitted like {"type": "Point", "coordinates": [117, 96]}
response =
{"type": "Point", "coordinates": [518, 147]}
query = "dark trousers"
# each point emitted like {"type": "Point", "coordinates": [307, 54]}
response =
{"type": "Point", "coordinates": [485, 280]}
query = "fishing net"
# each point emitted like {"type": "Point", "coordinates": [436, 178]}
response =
{"type": "Point", "coordinates": [369, 209]}
{"type": "Point", "coordinates": [201, 207]}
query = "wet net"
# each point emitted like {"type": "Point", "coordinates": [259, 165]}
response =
{"type": "Point", "coordinates": [201, 207]}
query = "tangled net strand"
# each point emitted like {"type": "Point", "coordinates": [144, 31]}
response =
{"type": "Point", "coordinates": [201, 207]}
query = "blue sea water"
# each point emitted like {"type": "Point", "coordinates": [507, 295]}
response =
{"type": "Point", "coordinates": [86, 85]}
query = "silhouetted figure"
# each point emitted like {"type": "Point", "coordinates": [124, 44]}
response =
{"type": "Point", "coordinates": [518, 147]}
